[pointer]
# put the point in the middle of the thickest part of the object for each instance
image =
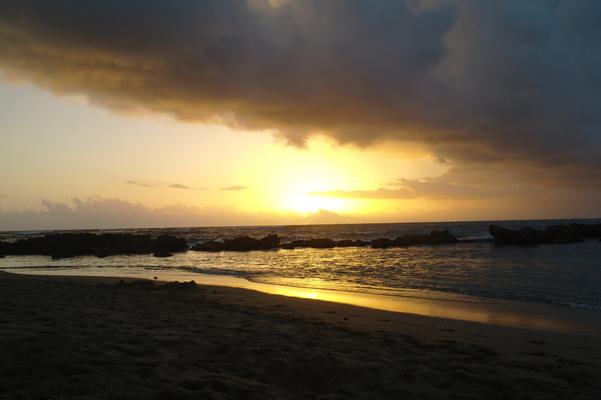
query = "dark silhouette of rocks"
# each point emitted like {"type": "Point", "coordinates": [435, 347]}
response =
{"type": "Point", "coordinates": [351, 243]}
{"type": "Point", "coordinates": [590, 230]}
{"type": "Point", "coordinates": [315, 243]}
{"type": "Point", "coordinates": [522, 237]}
{"type": "Point", "coordinates": [441, 237]}
{"type": "Point", "coordinates": [556, 234]}
{"type": "Point", "coordinates": [179, 285]}
{"type": "Point", "coordinates": [4, 248]}
{"type": "Point", "coordinates": [240, 243]}
{"type": "Point", "coordinates": [138, 284]}
{"type": "Point", "coordinates": [65, 245]}
{"type": "Point", "coordinates": [561, 234]}
{"type": "Point", "coordinates": [434, 237]}
{"type": "Point", "coordinates": [381, 243]}
{"type": "Point", "coordinates": [168, 243]}
{"type": "Point", "coordinates": [246, 243]}
{"type": "Point", "coordinates": [62, 255]}
{"type": "Point", "coordinates": [162, 254]}
{"type": "Point", "coordinates": [323, 243]}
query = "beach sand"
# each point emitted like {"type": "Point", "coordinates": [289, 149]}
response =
{"type": "Point", "coordinates": [96, 338]}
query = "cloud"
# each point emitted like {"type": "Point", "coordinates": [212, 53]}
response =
{"type": "Point", "coordinates": [147, 184]}
{"type": "Point", "coordinates": [433, 188]}
{"type": "Point", "coordinates": [180, 186]}
{"type": "Point", "coordinates": [511, 84]}
{"type": "Point", "coordinates": [104, 213]}
{"type": "Point", "coordinates": [155, 184]}
{"type": "Point", "coordinates": [234, 188]}
{"type": "Point", "coordinates": [380, 193]}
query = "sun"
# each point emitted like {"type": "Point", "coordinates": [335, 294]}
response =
{"type": "Point", "coordinates": [306, 203]}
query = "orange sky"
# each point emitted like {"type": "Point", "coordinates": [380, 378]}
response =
{"type": "Point", "coordinates": [264, 112]}
{"type": "Point", "coordinates": [59, 148]}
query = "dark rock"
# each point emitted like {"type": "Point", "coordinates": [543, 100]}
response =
{"type": "Point", "coordinates": [406, 240]}
{"type": "Point", "coordinates": [434, 237]}
{"type": "Point", "coordinates": [4, 246]}
{"type": "Point", "coordinates": [556, 234]}
{"type": "Point", "coordinates": [62, 245]}
{"type": "Point", "coordinates": [168, 243]}
{"type": "Point", "coordinates": [589, 231]}
{"type": "Point", "coordinates": [561, 234]}
{"type": "Point", "coordinates": [323, 243]}
{"type": "Point", "coordinates": [136, 284]}
{"type": "Point", "coordinates": [179, 285]}
{"type": "Point", "coordinates": [240, 243]}
{"type": "Point", "coordinates": [211, 245]}
{"type": "Point", "coordinates": [60, 256]}
{"type": "Point", "coordinates": [441, 237]}
{"type": "Point", "coordinates": [381, 243]}
{"type": "Point", "coordinates": [315, 243]}
{"type": "Point", "coordinates": [522, 237]}
{"type": "Point", "coordinates": [162, 254]}
{"type": "Point", "coordinates": [351, 243]}
{"type": "Point", "coordinates": [2, 256]}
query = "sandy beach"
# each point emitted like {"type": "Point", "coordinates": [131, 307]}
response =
{"type": "Point", "coordinates": [98, 338]}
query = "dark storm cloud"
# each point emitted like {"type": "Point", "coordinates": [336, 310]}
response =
{"type": "Point", "coordinates": [513, 83]}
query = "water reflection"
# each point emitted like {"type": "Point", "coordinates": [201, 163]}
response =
{"type": "Point", "coordinates": [451, 306]}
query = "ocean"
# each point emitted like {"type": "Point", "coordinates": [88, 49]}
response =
{"type": "Point", "coordinates": [561, 275]}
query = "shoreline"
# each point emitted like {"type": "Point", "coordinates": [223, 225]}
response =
{"type": "Point", "coordinates": [91, 336]}
{"type": "Point", "coordinates": [498, 312]}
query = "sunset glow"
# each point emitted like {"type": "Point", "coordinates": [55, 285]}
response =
{"type": "Point", "coordinates": [398, 198]}
{"type": "Point", "coordinates": [340, 138]}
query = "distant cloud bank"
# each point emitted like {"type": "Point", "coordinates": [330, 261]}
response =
{"type": "Point", "coordinates": [438, 188]}
{"type": "Point", "coordinates": [99, 213]}
{"type": "Point", "coordinates": [512, 85]}
{"type": "Point", "coordinates": [158, 184]}
{"type": "Point", "coordinates": [235, 188]}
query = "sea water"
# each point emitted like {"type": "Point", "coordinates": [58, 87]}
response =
{"type": "Point", "coordinates": [562, 275]}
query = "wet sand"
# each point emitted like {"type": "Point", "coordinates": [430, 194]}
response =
{"type": "Point", "coordinates": [96, 338]}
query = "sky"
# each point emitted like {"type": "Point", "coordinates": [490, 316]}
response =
{"type": "Point", "coordinates": [245, 112]}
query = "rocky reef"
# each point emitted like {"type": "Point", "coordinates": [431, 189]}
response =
{"type": "Point", "coordinates": [65, 245]}
{"type": "Point", "coordinates": [555, 234]}
{"type": "Point", "coordinates": [434, 237]}
{"type": "Point", "coordinates": [246, 243]}
{"type": "Point", "coordinates": [323, 243]}
{"type": "Point", "coordinates": [240, 243]}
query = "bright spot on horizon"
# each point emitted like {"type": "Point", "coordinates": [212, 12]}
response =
{"type": "Point", "coordinates": [305, 203]}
